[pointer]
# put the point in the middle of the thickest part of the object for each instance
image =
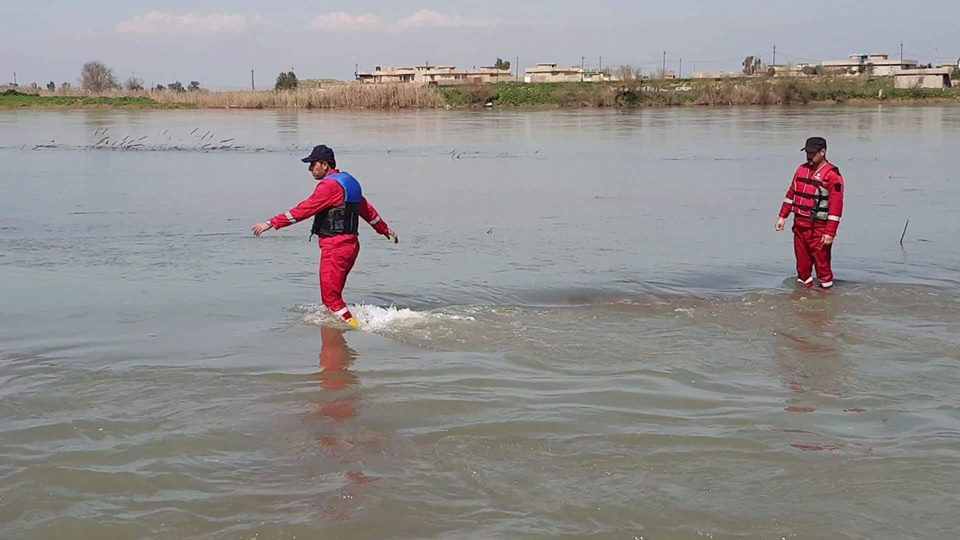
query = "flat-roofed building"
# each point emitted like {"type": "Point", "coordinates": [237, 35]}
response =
{"type": "Point", "coordinates": [936, 78]}
{"type": "Point", "coordinates": [786, 70]}
{"type": "Point", "coordinates": [880, 65]}
{"type": "Point", "coordinates": [553, 73]}
{"type": "Point", "coordinates": [438, 75]}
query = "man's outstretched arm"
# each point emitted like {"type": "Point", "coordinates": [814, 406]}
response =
{"type": "Point", "coordinates": [371, 216]}
{"type": "Point", "coordinates": [325, 195]}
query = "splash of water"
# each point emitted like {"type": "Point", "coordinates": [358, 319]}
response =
{"type": "Point", "coordinates": [373, 318]}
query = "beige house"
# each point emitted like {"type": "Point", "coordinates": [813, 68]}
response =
{"type": "Point", "coordinates": [438, 75]}
{"type": "Point", "coordinates": [714, 75]}
{"type": "Point", "coordinates": [880, 65]}
{"type": "Point", "coordinates": [552, 73]}
{"type": "Point", "coordinates": [593, 75]}
{"type": "Point", "coordinates": [787, 70]}
{"type": "Point", "coordinates": [938, 78]}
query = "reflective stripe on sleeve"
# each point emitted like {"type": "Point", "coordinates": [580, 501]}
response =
{"type": "Point", "coordinates": [375, 221]}
{"type": "Point", "coordinates": [788, 201]}
{"type": "Point", "coordinates": [290, 217]}
{"type": "Point", "coordinates": [834, 218]}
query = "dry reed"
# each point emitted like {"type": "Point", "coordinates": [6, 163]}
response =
{"type": "Point", "coordinates": [344, 96]}
{"type": "Point", "coordinates": [340, 96]}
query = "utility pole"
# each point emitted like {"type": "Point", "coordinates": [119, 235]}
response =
{"type": "Point", "coordinates": [901, 55]}
{"type": "Point", "coordinates": [663, 70]}
{"type": "Point", "coordinates": [582, 60]}
{"type": "Point", "coordinates": [252, 87]}
{"type": "Point", "coordinates": [15, 78]}
{"type": "Point", "coordinates": [516, 68]}
{"type": "Point", "coordinates": [356, 71]}
{"type": "Point", "coordinates": [680, 69]}
{"type": "Point", "coordinates": [600, 69]}
{"type": "Point", "coordinates": [774, 56]}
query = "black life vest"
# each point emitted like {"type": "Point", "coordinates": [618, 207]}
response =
{"type": "Point", "coordinates": [343, 219]}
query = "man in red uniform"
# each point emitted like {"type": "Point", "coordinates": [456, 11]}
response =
{"type": "Point", "coordinates": [816, 199]}
{"type": "Point", "coordinates": [336, 205]}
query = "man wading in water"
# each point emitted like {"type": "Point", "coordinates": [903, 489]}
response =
{"type": "Point", "coordinates": [816, 199]}
{"type": "Point", "coordinates": [336, 205]}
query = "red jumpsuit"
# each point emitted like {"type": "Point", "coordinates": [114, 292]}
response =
{"type": "Point", "coordinates": [337, 253]}
{"type": "Point", "coordinates": [816, 199]}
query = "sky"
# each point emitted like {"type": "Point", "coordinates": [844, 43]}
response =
{"type": "Point", "coordinates": [218, 42]}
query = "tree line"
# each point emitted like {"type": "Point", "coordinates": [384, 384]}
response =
{"type": "Point", "coordinates": [98, 77]}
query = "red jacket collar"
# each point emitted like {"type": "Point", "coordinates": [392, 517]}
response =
{"type": "Point", "coordinates": [823, 169]}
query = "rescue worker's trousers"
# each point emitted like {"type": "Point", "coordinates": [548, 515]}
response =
{"type": "Point", "coordinates": [812, 253]}
{"type": "Point", "coordinates": [337, 256]}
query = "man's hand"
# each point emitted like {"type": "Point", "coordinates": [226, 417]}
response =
{"type": "Point", "coordinates": [261, 228]}
{"type": "Point", "coordinates": [827, 240]}
{"type": "Point", "coordinates": [779, 226]}
{"type": "Point", "coordinates": [392, 236]}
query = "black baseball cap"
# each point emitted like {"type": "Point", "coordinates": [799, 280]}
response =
{"type": "Point", "coordinates": [814, 144]}
{"type": "Point", "coordinates": [320, 152]}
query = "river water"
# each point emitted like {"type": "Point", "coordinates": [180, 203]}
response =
{"type": "Point", "coordinates": [589, 328]}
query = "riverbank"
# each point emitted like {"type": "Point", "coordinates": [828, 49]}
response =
{"type": "Point", "coordinates": [12, 99]}
{"type": "Point", "coordinates": [649, 93]}
{"type": "Point", "coordinates": [670, 93]}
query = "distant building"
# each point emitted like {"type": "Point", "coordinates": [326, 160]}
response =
{"type": "Point", "coordinates": [553, 73]}
{"type": "Point", "coordinates": [880, 65]}
{"type": "Point", "coordinates": [787, 70]}
{"type": "Point", "coordinates": [593, 75]}
{"type": "Point", "coordinates": [437, 75]}
{"type": "Point", "coordinates": [937, 78]}
{"type": "Point", "coordinates": [714, 75]}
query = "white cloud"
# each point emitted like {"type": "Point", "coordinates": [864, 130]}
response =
{"type": "Point", "coordinates": [339, 20]}
{"type": "Point", "coordinates": [426, 18]}
{"type": "Point", "coordinates": [423, 19]}
{"type": "Point", "coordinates": [158, 22]}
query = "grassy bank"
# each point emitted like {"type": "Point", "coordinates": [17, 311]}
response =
{"type": "Point", "coordinates": [745, 91]}
{"type": "Point", "coordinates": [649, 93]}
{"type": "Point", "coordinates": [15, 99]}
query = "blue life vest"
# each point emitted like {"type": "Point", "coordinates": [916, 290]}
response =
{"type": "Point", "coordinates": [343, 219]}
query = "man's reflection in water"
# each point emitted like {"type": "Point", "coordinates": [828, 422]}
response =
{"type": "Point", "coordinates": [336, 357]}
{"type": "Point", "coordinates": [809, 352]}
{"type": "Point", "coordinates": [338, 440]}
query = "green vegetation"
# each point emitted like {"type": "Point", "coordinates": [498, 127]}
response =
{"type": "Point", "coordinates": [515, 94]}
{"type": "Point", "coordinates": [14, 99]}
{"type": "Point", "coordinates": [286, 81]}
{"type": "Point", "coordinates": [563, 94]}
{"type": "Point", "coordinates": [673, 92]}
